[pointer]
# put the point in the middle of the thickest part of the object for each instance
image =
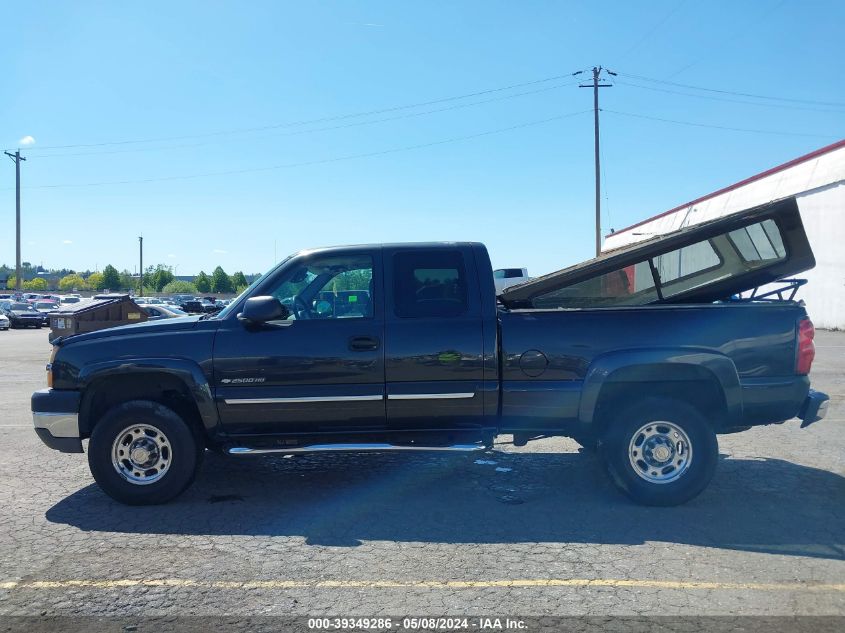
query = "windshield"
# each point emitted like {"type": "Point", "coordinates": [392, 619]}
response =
{"type": "Point", "coordinates": [229, 308]}
{"type": "Point", "coordinates": [225, 312]}
{"type": "Point", "coordinates": [21, 306]}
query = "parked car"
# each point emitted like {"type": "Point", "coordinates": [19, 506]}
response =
{"type": "Point", "coordinates": [208, 306]}
{"type": "Point", "coordinates": [22, 314]}
{"type": "Point", "coordinates": [181, 299]}
{"type": "Point", "coordinates": [45, 308]}
{"type": "Point", "coordinates": [507, 277]}
{"type": "Point", "coordinates": [160, 311]}
{"type": "Point", "coordinates": [192, 306]}
{"type": "Point", "coordinates": [5, 324]}
{"type": "Point", "coordinates": [71, 299]}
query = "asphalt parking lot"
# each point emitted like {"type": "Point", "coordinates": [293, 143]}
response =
{"type": "Point", "coordinates": [536, 530]}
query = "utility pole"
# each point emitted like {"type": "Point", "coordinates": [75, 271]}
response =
{"type": "Point", "coordinates": [141, 266]}
{"type": "Point", "coordinates": [595, 85]}
{"type": "Point", "coordinates": [17, 158]}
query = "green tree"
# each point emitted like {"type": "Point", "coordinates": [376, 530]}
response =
{"type": "Point", "coordinates": [177, 287]}
{"type": "Point", "coordinates": [238, 280]}
{"type": "Point", "coordinates": [220, 281]}
{"type": "Point", "coordinates": [202, 282]}
{"type": "Point", "coordinates": [10, 282]}
{"type": "Point", "coordinates": [38, 284]}
{"type": "Point", "coordinates": [111, 279]}
{"type": "Point", "coordinates": [160, 277]}
{"type": "Point", "coordinates": [94, 281]}
{"type": "Point", "coordinates": [72, 282]}
{"type": "Point", "coordinates": [127, 280]}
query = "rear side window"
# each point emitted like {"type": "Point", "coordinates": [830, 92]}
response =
{"type": "Point", "coordinates": [759, 242]}
{"type": "Point", "coordinates": [429, 284]}
{"type": "Point", "coordinates": [686, 261]}
{"type": "Point", "coordinates": [632, 285]}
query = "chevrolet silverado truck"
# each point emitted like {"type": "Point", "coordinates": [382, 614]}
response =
{"type": "Point", "coordinates": [644, 354]}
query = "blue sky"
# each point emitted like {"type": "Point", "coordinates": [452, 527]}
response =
{"type": "Point", "coordinates": [220, 75]}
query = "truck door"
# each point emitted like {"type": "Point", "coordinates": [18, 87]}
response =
{"type": "Point", "coordinates": [321, 369]}
{"type": "Point", "coordinates": [433, 340]}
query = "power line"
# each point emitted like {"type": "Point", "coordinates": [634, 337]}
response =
{"type": "Point", "coordinates": [324, 161]}
{"type": "Point", "coordinates": [308, 121]}
{"type": "Point", "coordinates": [743, 30]}
{"type": "Point", "coordinates": [717, 127]}
{"type": "Point", "coordinates": [834, 104]}
{"type": "Point", "coordinates": [321, 129]}
{"type": "Point", "coordinates": [653, 29]}
{"type": "Point", "coordinates": [725, 99]}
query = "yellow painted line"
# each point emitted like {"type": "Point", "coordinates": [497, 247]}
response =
{"type": "Point", "coordinates": [419, 584]}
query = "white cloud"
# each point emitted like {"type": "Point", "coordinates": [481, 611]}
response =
{"type": "Point", "coordinates": [219, 251]}
{"type": "Point", "coordinates": [27, 140]}
{"type": "Point", "coordinates": [171, 256]}
{"type": "Point", "coordinates": [67, 241]}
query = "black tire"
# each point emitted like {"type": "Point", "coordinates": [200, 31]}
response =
{"type": "Point", "coordinates": [182, 449]}
{"type": "Point", "coordinates": [703, 452]}
{"type": "Point", "coordinates": [588, 444]}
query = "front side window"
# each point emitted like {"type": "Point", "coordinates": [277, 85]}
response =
{"type": "Point", "coordinates": [333, 287]}
{"type": "Point", "coordinates": [431, 284]}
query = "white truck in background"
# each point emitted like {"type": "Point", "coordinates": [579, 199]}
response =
{"type": "Point", "coordinates": [506, 277]}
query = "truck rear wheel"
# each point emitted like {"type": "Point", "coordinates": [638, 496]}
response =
{"type": "Point", "coordinates": [143, 453]}
{"type": "Point", "coordinates": [661, 452]}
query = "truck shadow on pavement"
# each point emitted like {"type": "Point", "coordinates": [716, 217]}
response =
{"type": "Point", "coordinates": [755, 505]}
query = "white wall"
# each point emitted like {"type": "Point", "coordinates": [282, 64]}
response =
{"type": "Point", "coordinates": [823, 214]}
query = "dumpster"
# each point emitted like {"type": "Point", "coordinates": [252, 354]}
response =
{"type": "Point", "coordinates": [103, 312]}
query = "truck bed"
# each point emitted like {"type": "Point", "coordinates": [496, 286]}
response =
{"type": "Point", "coordinates": [551, 359]}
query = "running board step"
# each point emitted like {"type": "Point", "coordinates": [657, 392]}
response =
{"type": "Point", "coordinates": [327, 448]}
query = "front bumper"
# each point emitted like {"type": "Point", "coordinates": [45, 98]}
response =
{"type": "Point", "coordinates": [55, 415]}
{"type": "Point", "coordinates": [27, 321]}
{"type": "Point", "coordinates": [814, 408]}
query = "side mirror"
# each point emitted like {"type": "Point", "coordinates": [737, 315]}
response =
{"type": "Point", "coordinates": [262, 309]}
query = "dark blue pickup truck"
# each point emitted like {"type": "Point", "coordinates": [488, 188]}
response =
{"type": "Point", "coordinates": [644, 354]}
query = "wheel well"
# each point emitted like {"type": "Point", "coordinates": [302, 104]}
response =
{"type": "Point", "coordinates": [705, 394]}
{"type": "Point", "coordinates": [163, 388]}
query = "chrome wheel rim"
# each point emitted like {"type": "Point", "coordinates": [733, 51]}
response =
{"type": "Point", "coordinates": [660, 452]}
{"type": "Point", "coordinates": [141, 454]}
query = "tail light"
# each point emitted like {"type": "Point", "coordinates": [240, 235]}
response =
{"type": "Point", "coordinates": [806, 347]}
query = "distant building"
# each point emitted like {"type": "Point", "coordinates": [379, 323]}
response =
{"type": "Point", "coordinates": [818, 181]}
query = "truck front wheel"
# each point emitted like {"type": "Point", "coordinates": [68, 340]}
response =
{"type": "Point", "coordinates": [143, 453]}
{"type": "Point", "coordinates": [661, 452]}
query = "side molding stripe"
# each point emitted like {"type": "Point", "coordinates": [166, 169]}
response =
{"type": "Point", "coordinates": [393, 396]}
